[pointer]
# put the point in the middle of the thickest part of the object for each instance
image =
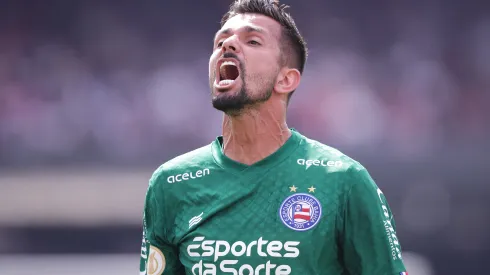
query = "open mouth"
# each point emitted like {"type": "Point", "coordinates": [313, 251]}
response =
{"type": "Point", "coordinates": [228, 72]}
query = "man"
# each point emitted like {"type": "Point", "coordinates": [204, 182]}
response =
{"type": "Point", "coordinates": [262, 198]}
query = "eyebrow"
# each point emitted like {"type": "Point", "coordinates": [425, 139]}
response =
{"type": "Point", "coordinates": [247, 29]}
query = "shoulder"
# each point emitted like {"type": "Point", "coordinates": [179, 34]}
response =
{"type": "Point", "coordinates": [333, 161]}
{"type": "Point", "coordinates": [317, 153]}
{"type": "Point", "coordinates": [193, 164]}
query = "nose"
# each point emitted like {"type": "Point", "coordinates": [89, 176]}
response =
{"type": "Point", "coordinates": [231, 45]}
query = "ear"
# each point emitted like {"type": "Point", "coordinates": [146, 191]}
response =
{"type": "Point", "coordinates": [288, 80]}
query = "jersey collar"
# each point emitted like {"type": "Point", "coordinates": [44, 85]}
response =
{"type": "Point", "coordinates": [278, 156]}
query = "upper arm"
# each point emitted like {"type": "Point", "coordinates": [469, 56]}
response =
{"type": "Point", "coordinates": [158, 254]}
{"type": "Point", "coordinates": [370, 244]}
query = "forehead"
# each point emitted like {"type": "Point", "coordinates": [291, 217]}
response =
{"type": "Point", "coordinates": [241, 22]}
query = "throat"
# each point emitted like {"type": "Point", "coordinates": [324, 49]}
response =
{"type": "Point", "coordinates": [251, 141]}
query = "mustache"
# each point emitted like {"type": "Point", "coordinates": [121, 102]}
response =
{"type": "Point", "coordinates": [230, 55]}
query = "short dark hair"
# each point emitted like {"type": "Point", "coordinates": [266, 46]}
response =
{"type": "Point", "coordinates": [293, 46]}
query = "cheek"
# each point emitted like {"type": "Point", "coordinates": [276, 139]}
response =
{"type": "Point", "coordinates": [265, 64]}
{"type": "Point", "coordinates": [261, 70]}
{"type": "Point", "coordinates": [210, 66]}
{"type": "Point", "coordinates": [212, 62]}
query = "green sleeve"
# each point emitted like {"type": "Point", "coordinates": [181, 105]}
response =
{"type": "Point", "coordinates": [158, 255]}
{"type": "Point", "coordinates": [369, 243]}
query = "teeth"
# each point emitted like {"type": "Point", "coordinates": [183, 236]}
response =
{"type": "Point", "coordinates": [228, 63]}
{"type": "Point", "coordinates": [226, 82]}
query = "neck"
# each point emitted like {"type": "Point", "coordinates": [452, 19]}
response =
{"type": "Point", "coordinates": [255, 133]}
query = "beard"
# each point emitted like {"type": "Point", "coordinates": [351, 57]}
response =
{"type": "Point", "coordinates": [235, 104]}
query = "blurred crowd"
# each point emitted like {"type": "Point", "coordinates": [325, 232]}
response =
{"type": "Point", "coordinates": [128, 83]}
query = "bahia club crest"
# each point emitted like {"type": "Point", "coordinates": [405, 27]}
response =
{"type": "Point", "coordinates": [300, 211]}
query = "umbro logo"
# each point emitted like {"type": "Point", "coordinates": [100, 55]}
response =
{"type": "Point", "coordinates": [195, 220]}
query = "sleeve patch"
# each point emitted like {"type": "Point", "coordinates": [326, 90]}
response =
{"type": "Point", "coordinates": [156, 261]}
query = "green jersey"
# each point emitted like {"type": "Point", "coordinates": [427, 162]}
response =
{"type": "Point", "coordinates": [306, 209]}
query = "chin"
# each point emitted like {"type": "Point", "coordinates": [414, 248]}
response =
{"type": "Point", "coordinates": [229, 109]}
{"type": "Point", "coordinates": [228, 93]}
{"type": "Point", "coordinates": [230, 102]}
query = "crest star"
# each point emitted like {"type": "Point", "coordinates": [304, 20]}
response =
{"type": "Point", "coordinates": [293, 188]}
{"type": "Point", "coordinates": [311, 189]}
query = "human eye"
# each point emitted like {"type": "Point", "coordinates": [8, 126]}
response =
{"type": "Point", "coordinates": [254, 42]}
